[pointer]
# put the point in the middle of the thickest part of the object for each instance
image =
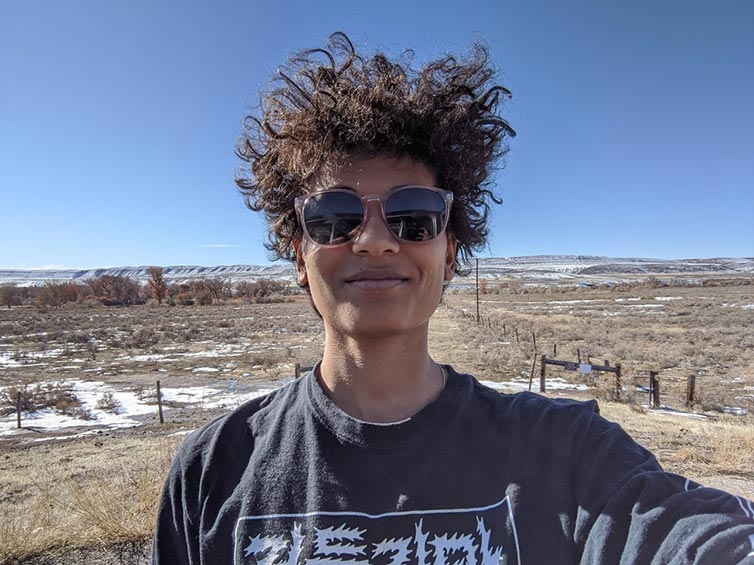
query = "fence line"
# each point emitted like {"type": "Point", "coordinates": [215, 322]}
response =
{"type": "Point", "coordinates": [654, 382]}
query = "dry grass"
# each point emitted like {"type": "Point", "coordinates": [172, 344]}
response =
{"type": "Point", "coordinates": [109, 496]}
{"type": "Point", "coordinates": [704, 331]}
{"type": "Point", "coordinates": [105, 489]}
{"type": "Point", "coordinates": [711, 451]}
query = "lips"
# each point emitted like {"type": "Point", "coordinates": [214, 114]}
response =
{"type": "Point", "coordinates": [376, 280]}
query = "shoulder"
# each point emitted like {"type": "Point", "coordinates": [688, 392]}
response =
{"type": "Point", "coordinates": [526, 407]}
{"type": "Point", "coordinates": [550, 427]}
{"type": "Point", "coordinates": [243, 426]}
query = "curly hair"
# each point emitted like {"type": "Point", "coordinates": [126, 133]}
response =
{"type": "Point", "coordinates": [331, 103]}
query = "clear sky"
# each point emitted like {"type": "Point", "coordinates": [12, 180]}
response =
{"type": "Point", "coordinates": [118, 120]}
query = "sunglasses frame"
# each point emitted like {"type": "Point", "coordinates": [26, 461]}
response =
{"type": "Point", "coordinates": [300, 203]}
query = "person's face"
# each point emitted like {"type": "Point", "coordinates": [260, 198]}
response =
{"type": "Point", "coordinates": [376, 284]}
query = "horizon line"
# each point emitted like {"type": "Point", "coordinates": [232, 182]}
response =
{"type": "Point", "coordinates": [284, 261]}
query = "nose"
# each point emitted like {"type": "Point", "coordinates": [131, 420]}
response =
{"type": "Point", "coordinates": [374, 237]}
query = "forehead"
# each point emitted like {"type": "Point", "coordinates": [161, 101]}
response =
{"type": "Point", "coordinates": [373, 175]}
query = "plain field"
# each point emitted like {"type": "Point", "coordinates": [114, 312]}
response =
{"type": "Point", "coordinates": [101, 486]}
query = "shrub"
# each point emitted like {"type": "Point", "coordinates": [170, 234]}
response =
{"type": "Point", "coordinates": [143, 338]}
{"type": "Point", "coordinates": [9, 398]}
{"type": "Point", "coordinates": [109, 403]}
{"type": "Point", "coordinates": [147, 394]}
{"type": "Point", "coordinates": [79, 337]}
{"type": "Point", "coordinates": [58, 396]}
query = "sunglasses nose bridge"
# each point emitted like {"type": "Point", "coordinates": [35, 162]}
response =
{"type": "Point", "coordinates": [373, 208]}
{"type": "Point", "coordinates": [374, 233]}
{"type": "Point", "coordinates": [368, 199]}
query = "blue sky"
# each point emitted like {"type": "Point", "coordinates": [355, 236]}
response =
{"type": "Point", "coordinates": [118, 120]}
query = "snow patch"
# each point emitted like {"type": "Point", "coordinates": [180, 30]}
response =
{"type": "Point", "coordinates": [227, 394]}
{"type": "Point", "coordinates": [554, 383]}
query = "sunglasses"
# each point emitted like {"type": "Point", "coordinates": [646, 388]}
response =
{"type": "Point", "coordinates": [412, 213]}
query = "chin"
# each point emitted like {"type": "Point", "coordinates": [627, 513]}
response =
{"type": "Point", "coordinates": [376, 324]}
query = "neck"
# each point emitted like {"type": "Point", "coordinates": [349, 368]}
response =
{"type": "Point", "coordinates": [381, 380]}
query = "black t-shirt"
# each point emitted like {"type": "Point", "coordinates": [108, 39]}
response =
{"type": "Point", "coordinates": [475, 477]}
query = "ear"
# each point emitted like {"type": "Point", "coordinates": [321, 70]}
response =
{"type": "Point", "coordinates": [450, 257]}
{"type": "Point", "coordinates": [303, 279]}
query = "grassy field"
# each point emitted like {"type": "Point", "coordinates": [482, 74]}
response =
{"type": "Point", "coordinates": [93, 485]}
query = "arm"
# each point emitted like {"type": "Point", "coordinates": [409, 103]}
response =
{"type": "Point", "coordinates": [631, 511]}
{"type": "Point", "coordinates": [176, 536]}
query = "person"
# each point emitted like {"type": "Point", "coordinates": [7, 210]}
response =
{"type": "Point", "coordinates": [374, 178]}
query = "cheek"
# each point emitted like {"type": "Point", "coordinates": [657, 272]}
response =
{"type": "Point", "coordinates": [435, 264]}
{"type": "Point", "coordinates": [319, 269]}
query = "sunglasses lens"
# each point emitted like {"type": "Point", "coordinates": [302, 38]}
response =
{"type": "Point", "coordinates": [412, 214]}
{"type": "Point", "coordinates": [416, 214]}
{"type": "Point", "coordinates": [331, 217]}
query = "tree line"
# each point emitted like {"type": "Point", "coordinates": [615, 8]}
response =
{"type": "Point", "coordinates": [117, 290]}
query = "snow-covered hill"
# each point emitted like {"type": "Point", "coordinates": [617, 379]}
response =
{"type": "Point", "coordinates": [173, 274]}
{"type": "Point", "coordinates": [537, 267]}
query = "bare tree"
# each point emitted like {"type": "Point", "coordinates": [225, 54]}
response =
{"type": "Point", "coordinates": [52, 295]}
{"type": "Point", "coordinates": [182, 294]}
{"type": "Point", "coordinates": [258, 290]}
{"type": "Point", "coordinates": [157, 285]}
{"type": "Point", "coordinates": [216, 288]}
{"type": "Point", "coordinates": [268, 287]}
{"type": "Point", "coordinates": [10, 295]}
{"type": "Point", "coordinates": [244, 289]}
{"type": "Point", "coordinates": [115, 290]}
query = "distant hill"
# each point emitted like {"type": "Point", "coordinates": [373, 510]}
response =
{"type": "Point", "coordinates": [536, 268]}
{"type": "Point", "coordinates": [173, 274]}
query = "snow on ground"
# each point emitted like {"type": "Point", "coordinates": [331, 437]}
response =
{"type": "Point", "coordinates": [554, 383]}
{"type": "Point", "coordinates": [228, 394]}
{"type": "Point", "coordinates": [7, 358]}
{"type": "Point", "coordinates": [212, 397]}
{"type": "Point", "coordinates": [672, 412]}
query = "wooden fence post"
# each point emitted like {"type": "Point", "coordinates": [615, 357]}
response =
{"type": "Point", "coordinates": [517, 340]}
{"type": "Point", "coordinates": [542, 374]}
{"type": "Point", "coordinates": [477, 290]}
{"type": "Point", "coordinates": [618, 382]}
{"type": "Point", "coordinates": [534, 340]}
{"type": "Point", "coordinates": [654, 390]}
{"type": "Point", "coordinates": [298, 370]}
{"type": "Point", "coordinates": [505, 332]}
{"type": "Point", "coordinates": [18, 408]}
{"type": "Point", "coordinates": [578, 354]}
{"type": "Point", "coordinates": [690, 391]}
{"type": "Point", "coordinates": [554, 349]}
{"type": "Point", "coordinates": [159, 403]}
{"type": "Point", "coordinates": [533, 365]}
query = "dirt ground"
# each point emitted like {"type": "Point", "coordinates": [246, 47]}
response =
{"type": "Point", "coordinates": [704, 331]}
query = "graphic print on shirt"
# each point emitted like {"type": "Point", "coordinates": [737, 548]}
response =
{"type": "Point", "coordinates": [747, 506]}
{"type": "Point", "coordinates": [485, 536]}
